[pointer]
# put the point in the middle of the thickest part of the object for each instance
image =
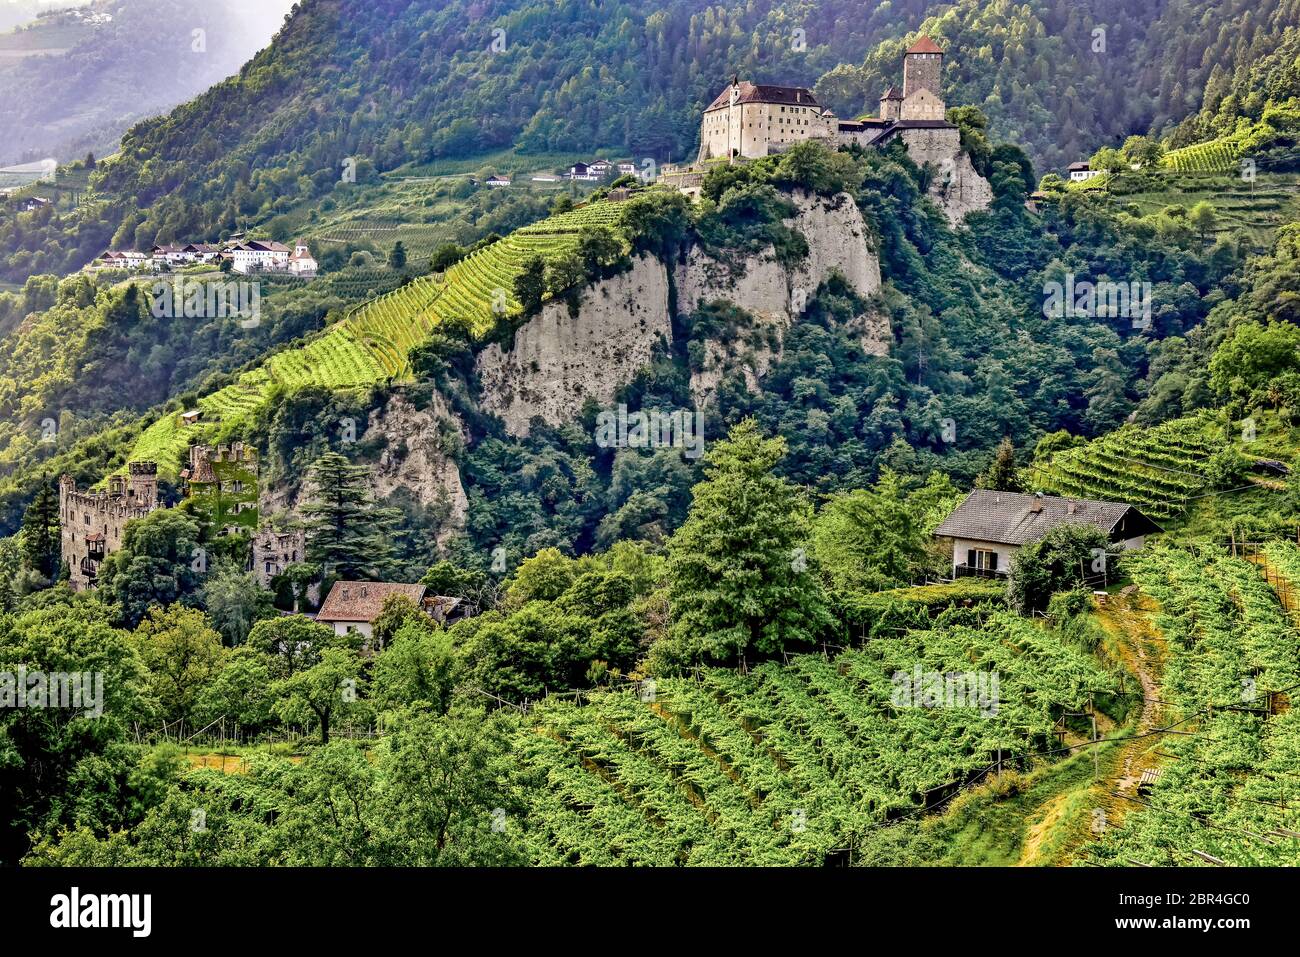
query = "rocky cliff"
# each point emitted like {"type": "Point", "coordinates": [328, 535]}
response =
{"type": "Point", "coordinates": [558, 360]}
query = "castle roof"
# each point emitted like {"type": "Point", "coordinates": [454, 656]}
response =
{"type": "Point", "coordinates": [762, 93]}
{"type": "Point", "coordinates": [893, 93]}
{"type": "Point", "coordinates": [924, 45]}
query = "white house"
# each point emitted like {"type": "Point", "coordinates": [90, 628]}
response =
{"type": "Point", "coordinates": [258, 255]}
{"type": "Point", "coordinates": [302, 263]}
{"type": "Point", "coordinates": [498, 181]}
{"type": "Point", "coordinates": [1079, 172]}
{"type": "Point", "coordinates": [626, 169]}
{"type": "Point", "coordinates": [113, 260]}
{"type": "Point", "coordinates": [582, 172]}
{"type": "Point", "coordinates": [989, 527]}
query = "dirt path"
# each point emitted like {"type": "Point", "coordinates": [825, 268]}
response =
{"type": "Point", "coordinates": [1055, 826]}
{"type": "Point", "coordinates": [1142, 649]}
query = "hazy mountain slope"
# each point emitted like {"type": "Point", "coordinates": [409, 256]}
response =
{"type": "Point", "coordinates": [144, 60]}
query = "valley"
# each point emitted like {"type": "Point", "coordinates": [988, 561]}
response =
{"type": "Point", "coordinates": [612, 435]}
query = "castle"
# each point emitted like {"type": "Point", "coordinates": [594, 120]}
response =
{"type": "Point", "coordinates": [748, 120]}
{"type": "Point", "coordinates": [221, 484]}
{"type": "Point", "coordinates": [91, 523]}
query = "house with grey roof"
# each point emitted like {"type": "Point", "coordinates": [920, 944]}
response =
{"type": "Point", "coordinates": [989, 527]}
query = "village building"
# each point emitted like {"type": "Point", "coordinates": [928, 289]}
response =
{"type": "Point", "coordinates": [1081, 172]}
{"type": "Point", "coordinates": [32, 203]}
{"type": "Point", "coordinates": [258, 255]}
{"type": "Point", "coordinates": [302, 263]}
{"type": "Point", "coordinates": [496, 182]}
{"type": "Point", "coordinates": [128, 260]}
{"type": "Point", "coordinates": [989, 527]}
{"type": "Point", "coordinates": [581, 172]}
{"type": "Point", "coordinates": [91, 524]}
{"type": "Point", "coordinates": [354, 606]}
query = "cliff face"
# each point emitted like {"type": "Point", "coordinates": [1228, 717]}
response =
{"type": "Point", "coordinates": [416, 458]}
{"type": "Point", "coordinates": [838, 241]}
{"type": "Point", "coordinates": [955, 185]}
{"type": "Point", "coordinates": [557, 361]}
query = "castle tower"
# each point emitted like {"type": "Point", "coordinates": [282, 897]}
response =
{"type": "Point", "coordinates": [922, 67]}
{"type": "Point", "coordinates": [891, 104]}
{"type": "Point", "coordinates": [142, 484]}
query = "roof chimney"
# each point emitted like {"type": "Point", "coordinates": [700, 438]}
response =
{"type": "Point", "coordinates": [1072, 507]}
{"type": "Point", "coordinates": [1038, 502]}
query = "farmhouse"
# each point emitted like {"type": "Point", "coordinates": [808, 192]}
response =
{"type": "Point", "coordinates": [498, 181]}
{"type": "Point", "coordinates": [302, 263]}
{"type": "Point", "coordinates": [1080, 172]}
{"type": "Point", "coordinates": [258, 255]}
{"type": "Point", "coordinates": [354, 606]}
{"type": "Point", "coordinates": [989, 527]}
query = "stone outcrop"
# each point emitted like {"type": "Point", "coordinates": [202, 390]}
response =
{"type": "Point", "coordinates": [955, 185]}
{"type": "Point", "coordinates": [557, 361]}
{"type": "Point", "coordinates": [417, 457]}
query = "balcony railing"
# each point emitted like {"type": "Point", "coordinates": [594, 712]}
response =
{"type": "Point", "coordinates": [973, 571]}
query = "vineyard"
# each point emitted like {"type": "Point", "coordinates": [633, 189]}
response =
{"type": "Point", "coordinates": [1158, 469]}
{"type": "Point", "coordinates": [1216, 156]}
{"type": "Point", "coordinates": [370, 344]}
{"type": "Point", "coordinates": [1234, 663]}
{"type": "Point", "coordinates": [788, 763]}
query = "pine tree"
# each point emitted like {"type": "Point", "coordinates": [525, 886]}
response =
{"type": "Point", "coordinates": [739, 578]}
{"type": "Point", "coordinates": [397, 256]}
{"type": "Point", "coordinates": [348, 533]}
{"type": "Point", "coordinates": [1001, 475]}
{"type": "Point", "coordinates": [40, 537]}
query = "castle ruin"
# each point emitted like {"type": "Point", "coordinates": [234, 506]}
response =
{"type": "Point", "coordinates": [91, 524]}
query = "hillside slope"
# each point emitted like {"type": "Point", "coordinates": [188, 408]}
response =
{"type": "Point", "coordinates": [97, 79]}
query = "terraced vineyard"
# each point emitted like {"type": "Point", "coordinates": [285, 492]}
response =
{"type": "Point", "coordinates": [788, 763]}
{"type": "Point", "coordinates": [1228, 789]}
{"type": "Point", "coordinates": [370, 344]}
{"type": "Point", "coordinates": [1158, 469]}
{"type": "Point", "coordinates": [1216, 156]}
